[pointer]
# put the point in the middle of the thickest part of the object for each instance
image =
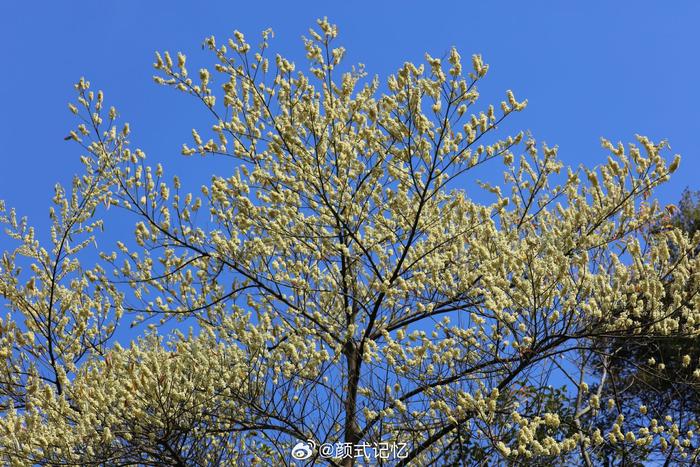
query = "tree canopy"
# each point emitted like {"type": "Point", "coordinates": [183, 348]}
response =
{"type": "Point", "coordinates": [656, 372]}
{"type": "Point", "coordinates": [339, 287]}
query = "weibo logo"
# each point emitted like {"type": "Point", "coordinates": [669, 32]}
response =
{"type": "Point", "coordinates": [303, 450]}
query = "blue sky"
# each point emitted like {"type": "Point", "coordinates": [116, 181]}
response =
{"type": "Point", "coordinates": [589, 69]}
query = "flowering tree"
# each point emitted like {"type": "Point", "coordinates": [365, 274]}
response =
{"type": "Point", "coordinates": [659, 373]}
{"type": "Point", "coordinates": [343, 294]}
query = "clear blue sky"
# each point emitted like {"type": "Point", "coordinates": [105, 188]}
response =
{"type": "Point", "coordinates": [589, 69]}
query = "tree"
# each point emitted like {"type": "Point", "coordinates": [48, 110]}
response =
{"type": "Point", "coordinates": [338, 285]}
{"type": "Point", "coordinates": [658, 373]}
